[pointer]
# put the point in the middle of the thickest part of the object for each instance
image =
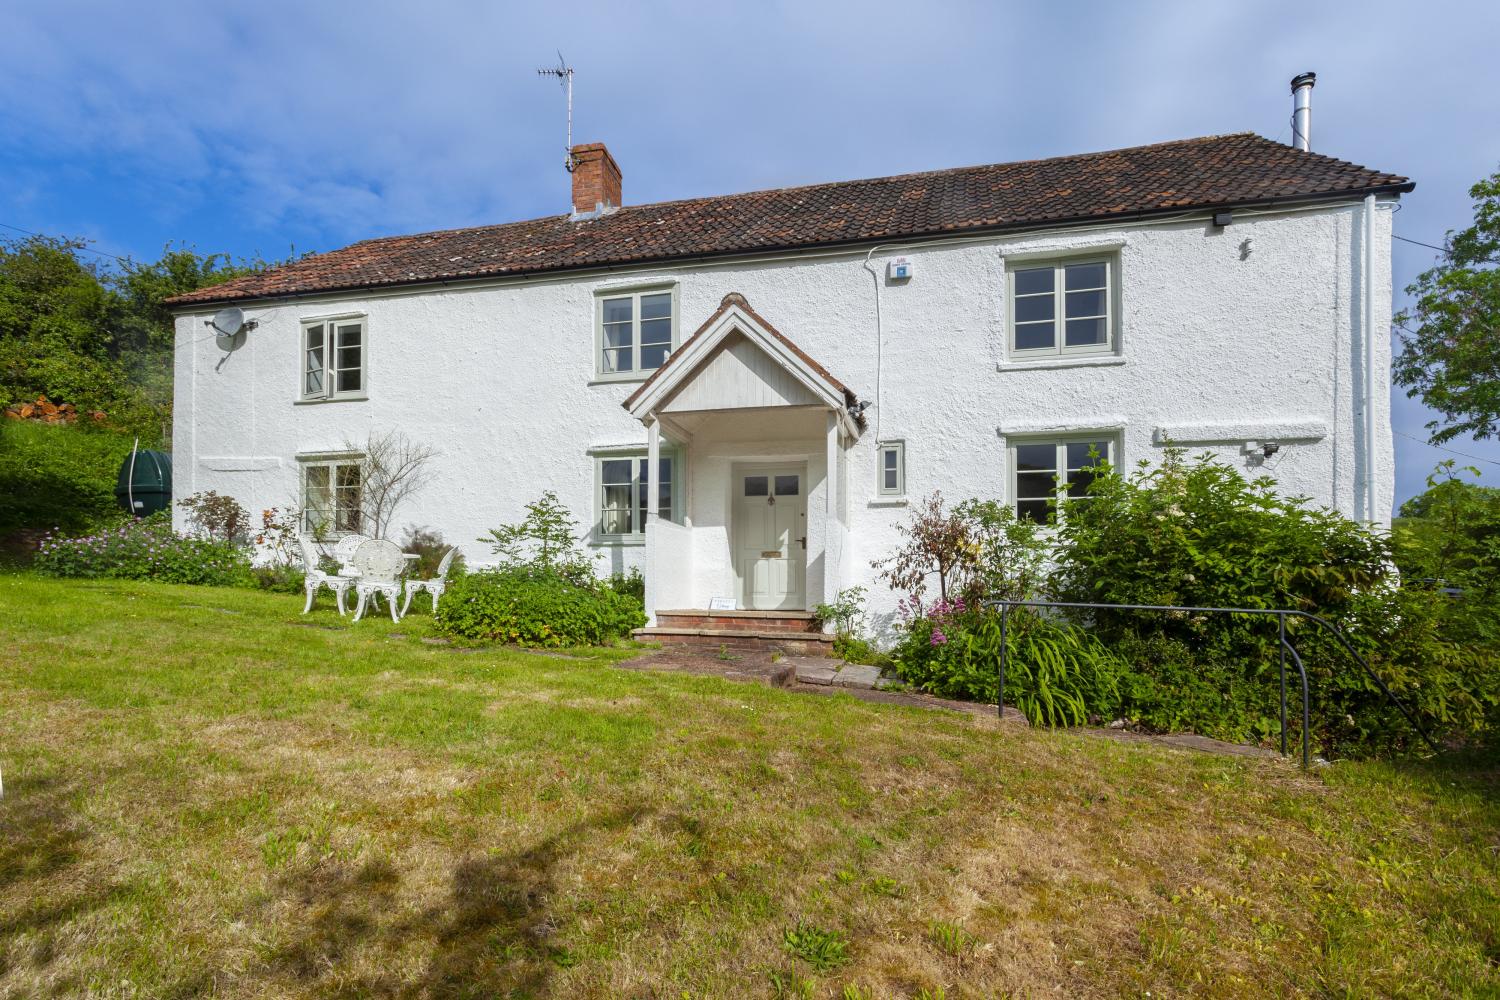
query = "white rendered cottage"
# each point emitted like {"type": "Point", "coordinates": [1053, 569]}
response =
{"type": "Point", "coordinates": [740, 395]}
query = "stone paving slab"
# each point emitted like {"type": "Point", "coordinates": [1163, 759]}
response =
{"type": "Point", "coordinates": [832, 673]}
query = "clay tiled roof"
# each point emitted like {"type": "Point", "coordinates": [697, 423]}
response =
{"type": "Point", "coordinates": [1218, 171]}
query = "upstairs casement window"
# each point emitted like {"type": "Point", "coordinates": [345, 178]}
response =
{"type": "Point", "coordinates": [331, 497]}
{"type": "Point", "coordinates": [635, 331]}
{"type": "Point", "coordinates": [1062, 308]}
{"type": "Point", "coordinates": [623, 488]}
{"type": "Point", "coordinates": [333, 359]}
{"type": "Point", "coordinates": [1047, 474]}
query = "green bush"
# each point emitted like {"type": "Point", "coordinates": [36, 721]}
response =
{"type": "Point", "coordinates": [59, 477]}
{"type": "Point", "coordinates": [1198, 533]}
{"type": "Point", "coordinates": [1056, 673]}
{"type": "Point", "coordinates": [535, 608]}
{"type": "Point", "coordinates": [428, 545]}
{"type": "Point", "coordinates": [631, 585]}
{"type": "Point", "coordinates": [147, 549]}
{"type": "Point", "coordinates": [279, 578]}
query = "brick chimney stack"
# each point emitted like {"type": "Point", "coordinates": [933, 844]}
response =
{"type": "Point", "coordinates": [596, 180]}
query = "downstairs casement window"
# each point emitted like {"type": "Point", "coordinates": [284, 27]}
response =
{"type": "Point", "coordinates": [331, 497]}
{"type": "Point", "coordinates": [1047, 474]}
{"type": "Point", "coordinates": [623, 484]}
{"type": "Point", "coordinates": [333, 359]}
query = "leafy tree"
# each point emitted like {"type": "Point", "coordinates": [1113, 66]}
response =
{"type": "Point", "coordinates": [1449, 538]}
{"type": "Point", "coordinates": [99, 337]}
{"type": "Point", "coordinates": [546, 540]}
{"type": "Point", "coordinates": [1450, 346]}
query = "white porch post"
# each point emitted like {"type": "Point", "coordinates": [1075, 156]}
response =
{"type": "Point", "coordinates": [831, 538]}
{"type": "Point", "coordinates": [653, 488]}
{"type": "Point", "coordinates": [653, 470]}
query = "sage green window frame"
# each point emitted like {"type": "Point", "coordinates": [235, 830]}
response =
{"type": "Point", "coordinates": [323, 348]}
{"type": "Point", "coordinates": [604, 351]}
{"type": "Point", "coordinates": [339, 511]}
{"type": "Point", "coordinates": [1062, 468]}
{"type": "Point", "coordinates": [637, 483]}
{"type": "Point", "coordinates": [885, 465]}
{"type": "Point", "coordinates": [1059, 300]}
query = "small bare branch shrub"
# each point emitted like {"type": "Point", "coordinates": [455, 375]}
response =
{"type": "Point", "coordinates": [219, 518]}
{"type": "Point", "coordinates": [393, 469]}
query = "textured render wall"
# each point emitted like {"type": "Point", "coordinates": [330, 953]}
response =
{"type": "Point", "coordinates": [1213, 342]}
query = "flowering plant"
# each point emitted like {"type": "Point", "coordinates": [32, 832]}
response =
{"type": "Point", "coordinates": [147, 549]}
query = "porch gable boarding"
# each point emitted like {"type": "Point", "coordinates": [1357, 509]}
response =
{"type": "Point", "coordinates": [762, 429]}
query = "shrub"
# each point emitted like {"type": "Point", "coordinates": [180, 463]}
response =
{"type": "Point", "coordinates": [534, 608]}
{"type": "Point", "coordinates": [430, 548]}
{"type": "Point", "coordinates": [1057, 674]}
{"type": "Point", "coordinates": [631, 585]}
{"type": "Point", "coordinates": [1449, 538]}
{"type": "Point", "coordinates": [219, 517]}
{"type": "Point", "coordinates": [279, 578]}
{"type": "Point", "coordinates": [147, 549]}
{"type": "Point", "coordinates": [545, 541]}
{"type": "Point", "coordinates": [847, 616]}
{"type": "Point", "coordinates": [1198, 533]}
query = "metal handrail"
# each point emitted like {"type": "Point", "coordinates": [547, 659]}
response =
{"type": "Point", "coordinates": [1282, 614]}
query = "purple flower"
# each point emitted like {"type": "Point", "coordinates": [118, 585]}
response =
{"type": "Point", "coordinates": [938, 638]}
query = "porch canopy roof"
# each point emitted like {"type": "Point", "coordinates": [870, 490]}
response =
{"type": "Point", "coordinates": [737, 360]}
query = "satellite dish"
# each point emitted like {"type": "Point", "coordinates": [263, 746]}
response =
{"type": "Point", "coordinates": [228, 322]}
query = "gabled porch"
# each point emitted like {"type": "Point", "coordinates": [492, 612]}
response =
{"type": "Point", "coordinates": [762, 431]}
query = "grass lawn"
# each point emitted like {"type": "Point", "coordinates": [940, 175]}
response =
{"type": "Point", "coordinates": [207, 794]}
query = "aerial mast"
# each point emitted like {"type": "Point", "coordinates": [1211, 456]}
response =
{"type": "Point", "coordinates": [564, 74]}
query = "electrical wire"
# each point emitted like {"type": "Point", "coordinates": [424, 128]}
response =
{"type": "Point", "coordinates": [1451, 451]}
{"type": "Point", "coordinates": [102, 253]}
{"type": "Point", "coordinates": [1419, 243]}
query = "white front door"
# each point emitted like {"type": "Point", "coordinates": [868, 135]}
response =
{"type": "Point", "coordinates": [770, 530]}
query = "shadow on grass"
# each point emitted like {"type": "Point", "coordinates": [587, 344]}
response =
{"type": "Point", "coordinates": [43, 849]}
{"type": "Point", "coordinates": [496, 934]}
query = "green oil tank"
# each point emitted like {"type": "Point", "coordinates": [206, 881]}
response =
{"type": "Point", "coordinates": [145, 483]}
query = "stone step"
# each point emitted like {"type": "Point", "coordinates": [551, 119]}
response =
{"type": "Point", "coordinates": [713, 638]}
{"type": "Point", "coordinates": [754, 621]}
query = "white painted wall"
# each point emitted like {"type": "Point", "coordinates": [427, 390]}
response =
{"type": "Point", "coordinates": [1215, 346]}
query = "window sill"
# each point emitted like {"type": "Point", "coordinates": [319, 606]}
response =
{"type": "Point", "coordinates": [618, 541]}
{"type": "Point", "coordinates": [888, 502]}
{"type": "Point", "coordinates": [1043, 364]}
{"type": "Point", "coordinates": [335, 399]}
{"type": "Point", "coordinates": [620, 379]}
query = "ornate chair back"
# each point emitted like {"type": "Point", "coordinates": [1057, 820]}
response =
{"type": "Point", "coordinates": [378, 559]}
{"type": "Point", "coordinates": [309, 554]}
{"type": "Point", "coordinates": [442, 570]}
{"type": "Point", "coordinates": [347, 546]}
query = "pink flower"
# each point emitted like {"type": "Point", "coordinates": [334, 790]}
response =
{"type": "Point", "coordinates": [938, 638]}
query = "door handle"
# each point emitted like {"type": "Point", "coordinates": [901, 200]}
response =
{"type": "Point", "coordinates": [803, 540]}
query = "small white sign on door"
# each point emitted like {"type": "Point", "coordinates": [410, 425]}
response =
{"type": "Point", "coordinates": [723, 604]}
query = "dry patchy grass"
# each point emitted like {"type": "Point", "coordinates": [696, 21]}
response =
{"type": "Point", "coordinates": [200, 802]}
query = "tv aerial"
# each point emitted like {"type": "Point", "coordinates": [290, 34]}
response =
{"type": "Point", "coordinates": [564, 74]}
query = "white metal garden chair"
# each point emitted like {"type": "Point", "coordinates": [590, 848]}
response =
{"type": "Point", "coordinates": [434, 586]}
{"type": "Point", "coordinates": [343, 553]}
{"type": "Point", "coordinates": [380, 565]}
{"type": "Point", "coordinates": [315, 577]}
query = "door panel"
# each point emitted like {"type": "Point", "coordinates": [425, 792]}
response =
{"type": "Point", "coordinates": [770, 528]}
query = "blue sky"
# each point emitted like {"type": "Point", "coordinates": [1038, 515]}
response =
{"type": "Point", "coordinates": [256, 128]}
